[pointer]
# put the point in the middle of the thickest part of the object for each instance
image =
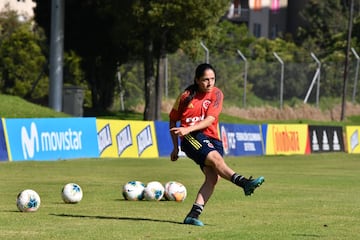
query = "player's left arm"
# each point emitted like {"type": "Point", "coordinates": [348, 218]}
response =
{"type": "Point", "coordinates": [182, 131]}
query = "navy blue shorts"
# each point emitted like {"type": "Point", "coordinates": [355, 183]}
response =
{"type": "Point", "coordinates": [197, 146]}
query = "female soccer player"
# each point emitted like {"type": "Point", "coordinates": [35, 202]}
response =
{"type": "Point", "coordinates": [198, 109]}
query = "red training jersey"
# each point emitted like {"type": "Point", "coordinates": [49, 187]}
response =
{"type": "Point", "coordinates": [202, 105]}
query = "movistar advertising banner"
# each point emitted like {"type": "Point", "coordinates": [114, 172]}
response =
{"type": "Point", "coordinates": [241, 140]}
{"type": "Point", "coordinates": [3, 149]}
{"type": "Point", "coordinates": [51, 138]}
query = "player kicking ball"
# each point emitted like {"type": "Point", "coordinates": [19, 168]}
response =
{"type": "Point", "coordinates": [198, 109]}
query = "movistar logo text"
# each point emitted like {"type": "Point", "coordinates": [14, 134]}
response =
{"type": "Point", "coordinates": [33, 141]}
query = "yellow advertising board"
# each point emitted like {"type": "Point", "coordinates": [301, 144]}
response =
{"type": "Point", "coordinates": [286, 139]}
{"type": "Point", "coordinates": [352, 139]}
{"type": "Point", "coordinates": [126, 139]}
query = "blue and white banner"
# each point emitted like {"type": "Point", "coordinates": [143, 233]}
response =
{"type": "Point", "coordinates": [51, 138]}
{"type": "Point", "coordinates": [3, 149]}
{"type": "Point", "coordinates": [241, 140]}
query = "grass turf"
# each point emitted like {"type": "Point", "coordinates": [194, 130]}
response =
{"type": "Point", "coordinates": [304, 197]}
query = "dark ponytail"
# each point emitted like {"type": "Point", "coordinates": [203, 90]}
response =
{"type": "Point", "coordinates": [199, 72]}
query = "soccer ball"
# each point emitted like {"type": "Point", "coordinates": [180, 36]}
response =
{"type": "Point", "coordinates": [71, 193]}
{"type": "Point", "coordinates": [154, 191]}
{"type": "Point", "coordinates": [133, 190]}
{"type": "Point", "coordinates": [28, 201]}
{"type": "Point", "coordinates": [175, 191]}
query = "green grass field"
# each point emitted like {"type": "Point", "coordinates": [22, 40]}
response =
{"type": "Point", "coordinates": [304, 197]}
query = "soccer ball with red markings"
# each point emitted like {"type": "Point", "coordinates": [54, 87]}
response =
{"type": "Point", "coordinates": [175, 191]}
{"type": "Point", "coordinates": [28, 201]}
{"type": "Point", "coordinates": [71, 193]}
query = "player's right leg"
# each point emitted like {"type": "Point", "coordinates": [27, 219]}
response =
{"type": "Point", "coordinates": [249, 185]}
{"type": "Point", "coordinates": [204, 194]}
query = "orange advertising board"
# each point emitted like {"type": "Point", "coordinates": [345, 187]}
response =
{"type": "Point", "coordinates": [287, 139]}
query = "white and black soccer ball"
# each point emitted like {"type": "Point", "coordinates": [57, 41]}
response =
{"type": "Point", "coordinates": [71, 193]}
{"type": "Point", "coordinates": [28, 201]}
{"type": "Point", "coordinates": [154, 191]}
{"type": "Point", "coordinates": [133, 190]}
{"type": "Point", "coordinates": [175, 191]}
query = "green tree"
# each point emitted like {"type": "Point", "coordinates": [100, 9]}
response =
{"type": "Point", "coordinates": [164, 25]}
{"type": "Point", "coordinates": [265, 77]}
{"type": "Point", "coordinates": [22, 60]}
{"type": "Point", "coordinates": [109, 33]}
{"type": "Point", "coordinates": [324, 20]}
{"type": "Point", "coordinates": [98, 32]}
{"type": "Point", "coordinates": [226, 40]}
{"type": "Point", "coordinates": [325, 34]}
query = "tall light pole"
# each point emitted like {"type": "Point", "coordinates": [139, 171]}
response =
{"type": "Point", "coordinates": [56, 54]}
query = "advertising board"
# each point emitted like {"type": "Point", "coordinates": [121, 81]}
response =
{"type": "Point", "coordinates": [51, 138]}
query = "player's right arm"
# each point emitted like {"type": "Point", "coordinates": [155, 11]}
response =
{"type": "Point", "coordinates": [175, 116]}
{"type": "Point", "coordinates": [174, 137]}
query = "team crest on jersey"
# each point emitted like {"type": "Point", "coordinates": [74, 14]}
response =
{"type": "Point", "coordinates": [210, 145]}
{"type": "Point", "coordinates": [206, 104]}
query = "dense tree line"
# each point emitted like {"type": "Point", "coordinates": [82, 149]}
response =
{"type": "Point", "coordinates": [110, 33]}
{"type": "Point", "coordinates": [139, 37]}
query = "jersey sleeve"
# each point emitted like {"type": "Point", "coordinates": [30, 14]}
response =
{"type": "Point", "coordinates": [215, 107]}
{"type": "Point", "coordinates": [175, 113]}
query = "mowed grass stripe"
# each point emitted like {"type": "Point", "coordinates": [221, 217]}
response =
{"type": "Point", "coordinates": [304, 197]}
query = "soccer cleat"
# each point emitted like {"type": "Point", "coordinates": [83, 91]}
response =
{"type": "Point", "coordinates": [193, 221]}
{"type": "Point", "coordinates": [252, 184]}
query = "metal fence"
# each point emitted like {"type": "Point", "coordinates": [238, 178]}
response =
{"type": "Point", "coordinates": [246, 82]}
{"type": "Point", "coordinates": [265, 79]}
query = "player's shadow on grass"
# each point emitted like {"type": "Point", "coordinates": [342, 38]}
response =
{"type": "Point", "coordinates": [114, 218]}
